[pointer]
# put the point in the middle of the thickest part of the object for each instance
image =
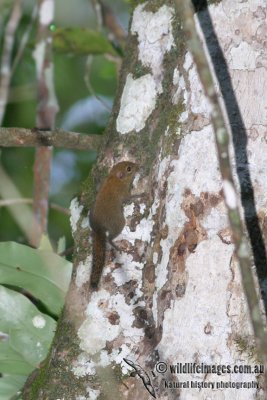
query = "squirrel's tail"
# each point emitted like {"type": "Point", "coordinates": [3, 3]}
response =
{"type": "Point", "coordinates": [99, 253]}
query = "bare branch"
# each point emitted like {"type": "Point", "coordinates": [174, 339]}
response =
{"type": "Point", "coordinates": [46, 113]}
{"type": "Point", "coordinates": [5, 68]}
{"type": "Point", "coordinates": [97, 7]}
{"type": "Point", "coordinates": [18, 201]}
{"type": "Point", "coordinates": [112, 24]}
{"type": "Point", "coordinates": [24, 40]}
{"type": "Point", "coordinates": [90, 86]}
{"type": "Point", "coordinates": [106, 17]}
{"type": "Point", "coordinates": [21, 137]}
{"type": "Point", "coordinates": [230, 191]}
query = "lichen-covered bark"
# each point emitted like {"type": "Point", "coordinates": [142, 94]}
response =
{"type": "Point", "coordinates": [173, 294]}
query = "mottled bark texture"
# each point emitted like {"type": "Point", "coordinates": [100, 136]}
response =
{"type": "Point", "coordinates": [230, 189]}
{"type": "Point", "coordinates": [173, 294]}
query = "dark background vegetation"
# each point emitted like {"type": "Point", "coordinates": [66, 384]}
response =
{"type": "Point", "coordinates": [79, 110]}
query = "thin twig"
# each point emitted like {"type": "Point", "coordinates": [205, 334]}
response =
{"type": "Point", "coordinates": [242, 248]}
{"type": "Point", "coordinates": [24, 40]}
{"type": "Point", "coordinates": [5, 68]}
{"type": "Point", "coordinates": [45, 119]}
{"type": "Point", "coordinates": [110, 21]}
{"type": "Point", "coordinates": [21, 137]}
{"type": "Point", "coordinates": [89, 85]}
{"type": "Point", "coordinates": [18, 201]}
{"type": "Point", "coordinates": [97, 7]}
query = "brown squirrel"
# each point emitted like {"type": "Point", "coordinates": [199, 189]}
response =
{"type": "Point", "coordinates": [106, 216]}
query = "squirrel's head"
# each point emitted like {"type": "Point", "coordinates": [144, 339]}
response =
{"type": "Point", "coordinates": [124, 171]}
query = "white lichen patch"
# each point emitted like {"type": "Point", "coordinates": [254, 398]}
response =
{"type": "Point", "coordinates": [257, 150]}
{"type": "Point", "coordinates": [154, 31]}
{"type": "Point", "coordinates": [216, 221]}
{"type": "Point", "coordinates": [203, 169]}
{"type": "Point", "coordinates": [138, 100]}
{"type": "Point", "coordinates": [46, 12]}
{"type": "Point", "coordinates": [128, 210]}
{"type": "Point", "coordinates": [175, 217]}
{"type": "Point", "coordinates": [198, 101]}
{"type": "Point", "coordinates": [183, 117]}
{"type": "Point", "coordinates": [91, 341]}
{"type": "Point", "coordinates": [125, 312]}
{"type": "Point", "coordinates": [188, 61]}
{"type": "Point", "coordinates": [83, 365]}
{"type": "Point", "coordinates": [85, 223]}
{"type": "Point", "coordinates": [161, 268]}
{"type": "Point", "coordinates": [176, 77]}
{"type": "Point", "coordinates": [142, 231]}
{"type": "Point", "coordinates": [243, 57]}
{"type": "Point", "coordinates": [93, 394]}
{"type": "Point", "coordinates": [130, 270]}
{"type": "Point", "coordinates": [142, 208]}
{"type": "Point", "coordinates": [199, 148]}
{"type": "Point", "coordinates": [179, 82]}
{"type": "Point", "coordinates": [83, 271]}
{"type": "Point", "coordinates": [75, 213]}
{"type": "Point", "coordinates": [137, 176]}
{"type": "Point", "coordinates": [155, 258]}
{"type": "Point", "coordinates": [96, 321]}
{"type": "Point", "coordinates": [39, 322]}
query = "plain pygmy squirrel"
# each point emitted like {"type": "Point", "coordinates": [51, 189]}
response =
{"type": "Point", "coordinates": [106, 216]}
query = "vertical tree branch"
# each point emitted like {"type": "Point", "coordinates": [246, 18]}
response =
{"type": "Point", "coordinates": [106, 17]}
{"type": "Point", "coordinates": [242, 248]}
{"type": "Point", "coordinates": [46, 113]}
{"type": "Point", "coordinates": [5, 68]}
{"type": "Point", "coordinates": [24, 40]}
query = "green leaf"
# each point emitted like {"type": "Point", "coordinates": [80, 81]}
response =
{"type": "Point", "coordinates": [45, 243]}
{"type": "Point", "coordinates": [42, 273]}
{"type": "Point", "coordinates": [12, 362]}
{"type": "Point", "coordinates": [10, 385]}
{"type": "Point", "coordinates": [28, 333]}
{"type": "Point", "coordinates": [81, 41]}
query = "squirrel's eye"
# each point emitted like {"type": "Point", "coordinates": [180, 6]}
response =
{"type": "Point", "coordinates": [129, 168]}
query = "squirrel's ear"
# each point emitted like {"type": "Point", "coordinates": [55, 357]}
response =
{"type": "Point", "coordinates": [119, 174]}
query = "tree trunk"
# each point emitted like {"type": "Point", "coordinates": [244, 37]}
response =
{"type": "Point", "coordinates": [173, 295]}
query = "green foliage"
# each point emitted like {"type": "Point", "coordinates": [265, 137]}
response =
{"type": "Point", "coordinates": [81, 41]}
{"type": "Point", "coordinates": [44, 274]}
{"type": "Point", "coordinates": [10, 385]}
{"type": "Point", "coordinates": [25, 339]}
{"type": "Point", "coordinates": [26, 332]}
